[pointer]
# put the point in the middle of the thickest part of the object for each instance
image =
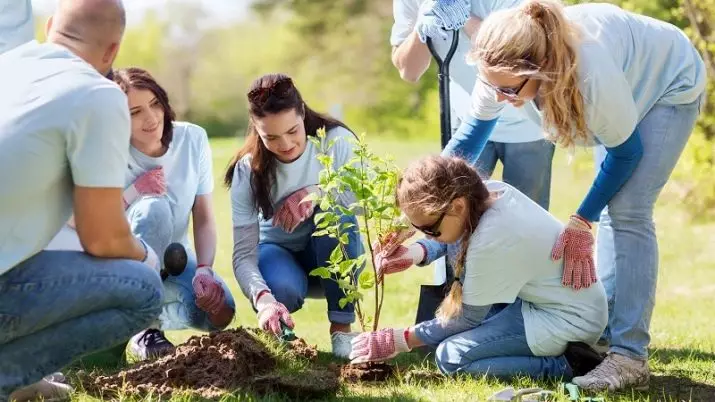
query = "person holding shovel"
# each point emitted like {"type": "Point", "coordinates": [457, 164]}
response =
{"type": "Point", "coordinates": [507, 313]}
{"type": "Point", "coordinates": [169, 181]}
{"type": "Point", "coordinates": [633, 86]}
{"type": "Point", "coordinates": [270, 176]}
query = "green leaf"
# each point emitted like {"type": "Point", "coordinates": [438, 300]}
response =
{"type": "Point", "coordinates": [342, 302]}
{"type": "Point", "coordinates": [322, 272]}
{"type": "Point", "coordinates": [311, 197]}
{"type": "Point", "coordinates": [336, 256]}
{"type": "Point", "coordinates": [345, 267]}
{"type": "Point", "coordinates": [366, 279]}
{"type": "Point", "coordinates": [319, 233]}
{"type": "Point", "coordinates": [344, 238]}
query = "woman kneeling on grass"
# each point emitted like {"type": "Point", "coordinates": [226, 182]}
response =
{"type": "Point", "coordinates": [274, 247]}
{"type": "Point", "coordinates": [507, 313]}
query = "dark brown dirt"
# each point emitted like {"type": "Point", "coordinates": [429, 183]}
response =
{"type": "Point", "coordinates": [366, 372]}
{"type": "Point", "coordinates": [301, 349]}
{"type": "Point", "coordinates": [208, 365]}
{"type": "Point", "coordinates": [307, 385]}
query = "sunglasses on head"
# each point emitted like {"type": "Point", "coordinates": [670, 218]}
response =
{"type": "Point", "coordinates": [506, 91]}
{"type": "Point", "coordinates": [279, 89]}
{"type": "Point", "coordinates": [433, 229]}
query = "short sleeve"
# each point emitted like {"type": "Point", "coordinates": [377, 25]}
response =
{"type": "Point", "coordinates": [611, 113]}
{"type": "Point", "coordinates": [484, 102]}
{"type": "Point", "coordinates": [405, 13]}
{"type": "Point", "coordinates": [97, 143]}
{"type": "Point", "coordinates": [243, 210]}
{"type": "Point", "coordinates": [206, 179]}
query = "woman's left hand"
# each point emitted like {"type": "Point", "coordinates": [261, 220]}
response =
{"type": "Point", "coordinates": [209, 293]}
{"type": "Point", "coordinates": [294, 210]}
{"type": "Point", "coordinates": [575, 246]}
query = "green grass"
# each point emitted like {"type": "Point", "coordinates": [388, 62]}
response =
{"type": "Point", "coordinates": [683, 333]}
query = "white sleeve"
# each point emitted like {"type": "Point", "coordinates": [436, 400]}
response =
{"type": "Point", "coordinates": [405, 13]}
{"type": "Point", "coordinates": [484, 102]}
{"type": "Point", "coordinates": [243, 211]}
{"type": "Point", "coordinates": [97, 143]}
{"type": "Point", "coordinates": [206, 179]}
{"type": "Point", "coordinates": [485, 7]}
{"type": "Point", "coordinates": [17, 25]}
{"type": "Point", "coordinates": [611, 113]}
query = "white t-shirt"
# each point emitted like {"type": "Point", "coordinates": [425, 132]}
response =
{"type": "Point", "coordinates": [188, 171]}
{"type": "Point", "coordinates": [513, 125]}
{"type": "Point", "coordinates": [627, 64]}
{"type": "Point", "coordinates": [16, 24]}
{"type": "Point", "coordinates": [62, 124]}
{"type": "Point", "coordinates": [290, 177]}
{"type": "Point", "coordinates": [509, 256]}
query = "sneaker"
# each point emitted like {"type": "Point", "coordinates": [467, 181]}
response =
{"type": "Point", "coordinates": [615, 373]}
{"type": "Point", "coordinates": [602, 347]}
{"type": "Point", "coordinates": [150, 344]}
{"type": "Point", "coordinates": [582, 358]}
{"type": "Point", "coordinates": [341, 343]}
{"type": "Point", "coordinates": [42, 390]}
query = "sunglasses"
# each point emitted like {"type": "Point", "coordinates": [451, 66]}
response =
{"type": "Point", "coordinates": [433, 229]}
{"type": "Point", "coordinates": [279, 89]}
{"type": "Point", "coordinates": [510, 93]}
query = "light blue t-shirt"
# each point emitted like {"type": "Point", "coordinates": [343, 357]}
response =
{"type": "Point", "coordinates": [62, 124]}
{"type": "Point", "coordinates": [290, 177]}
{"type": "Point", "coordinates": [16, 24]}
{"type": "Point", "coordinates": [513, 125]}
{"type": "Point", "coordinates": [188, 171]}
{"type": "Point", "coordinates": [509, 256]}
{"type": "Point", "coordinates": [627, 64]}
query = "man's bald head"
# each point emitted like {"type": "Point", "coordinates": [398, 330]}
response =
{"type": "Point", "coordinates": [92, 29]}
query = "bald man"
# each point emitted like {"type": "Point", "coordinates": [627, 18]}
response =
{"type": "Point", "coordinates": [64, 143]}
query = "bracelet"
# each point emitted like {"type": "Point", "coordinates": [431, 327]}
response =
{"type": "Point", "coordinates": [203, 266]}
{"type": "Point", "coordinates": [582, 219]}
{"type": "Point", "coordinates": [261, 293]}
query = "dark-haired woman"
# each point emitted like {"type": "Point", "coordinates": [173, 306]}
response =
{"type": "Point", "coordinates": [274, 246]}
{"type": "Point", "coordinates": [169, 181]}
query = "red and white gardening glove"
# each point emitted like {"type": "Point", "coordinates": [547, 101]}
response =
{"type": "Point", "coordinates": [210, 296]}
{"type": "Point", "coordinates": [271, 313]}
{"type": "Point", "coordinates": [395, 239]}
{"type": "Point", "coordinates": [294, 210]}
{"type": "Point", "coordinates": [575, 246]}
{"type": "Point", "coordinates": [378, 346]}
{"type": "Point", "coordinates": [401, 259]}
{"type": "Point", "coordinates": [150, 183]}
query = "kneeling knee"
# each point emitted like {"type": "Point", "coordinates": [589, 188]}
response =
{"type": "Point", "coordinates": [289, 296]}
{"type": "Point", "coordinates": [445, 359]}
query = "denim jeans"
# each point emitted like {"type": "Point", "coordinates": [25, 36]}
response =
{"type": "Point", "coordinates": [287, 273]}
{"type": "Point", "coordinates": [59, 305]}
{"type": "Point", "coordinates": [151, 220]}
{"type": "Point", "coordinates": [497, 346]}
{"type": "Point", "coordinates": [527, 166]}
{"type": "Point", "coordinates": [627, 248]}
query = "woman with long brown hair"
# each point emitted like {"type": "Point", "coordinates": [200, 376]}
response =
{"type": "Point", "coordinates": [274, 246]}
{"type": "Point", "coordinates": [507, 313]}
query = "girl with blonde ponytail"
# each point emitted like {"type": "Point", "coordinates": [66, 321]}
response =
{"type": "Point", "coordinates": [596, 75]}
{"type": "Point", "coordinates": [506, 313]}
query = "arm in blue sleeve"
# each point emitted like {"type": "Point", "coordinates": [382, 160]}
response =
{"type": "Point", "coordinates": [615, 170]}
{"type": "Point", "coordinates": [434, 250]}
{"type": "Point", "coordinates": [469, 140]}
{"type": "Point", "coordinates": [434, 331]}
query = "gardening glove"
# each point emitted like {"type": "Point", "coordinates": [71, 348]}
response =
{"type": "Point", "coordinates": [393, 240]}
{"type": "Point", "coordinates": [399, 260]}
{"type": "Point", "coordinates": [452, 13]}
{"type": "Point", "coordinates": [150, 258]}
{"type": "Point", "coordinates": [294, 210]}
{"type": "Point", "coordinates": [378, 346]}
{"type": "Point", "coordinates": [271, 313]}
{"type": "Point", "coordinates": [151, 183]}
{"type": "Point", "coordinates": [428, 25]}
{"type": "Point", "coordinates": [575, 246]}
{"type": "Point", "coordinates": [209, 293]}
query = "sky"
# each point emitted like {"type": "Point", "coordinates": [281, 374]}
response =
{"type": "Point", "coordinates": [220, 9]}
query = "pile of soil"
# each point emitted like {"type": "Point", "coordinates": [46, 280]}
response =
{"type": "Point", "coordinates": [300, 348]}
{"type": "Point", "coordinates": [362, 372]}
{"type": "Point", "coordinates": [208, 365]}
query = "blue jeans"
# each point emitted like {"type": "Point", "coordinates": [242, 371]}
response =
{"type": "Point", "coordinates": [287, 272]}
{"type": "Point", "coordinates": [497, 346]}
{"type": "Point", "coordinates": [59, 305]}
{"type": "Point", "coordinates": [627, 248]}
{"type": "Point", "coordinates": [527, 166]}
{"type": "Point", "coordinates": [151, 220]}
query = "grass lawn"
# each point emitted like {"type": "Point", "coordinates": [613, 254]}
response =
{"type": "Point", "coordinates": [683, 331]}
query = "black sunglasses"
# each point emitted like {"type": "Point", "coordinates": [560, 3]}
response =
{"type": "Point", "coordinates": [280, 89]}
{"type": "Point", "coordinates": [433, 229]}
{"type": "Point", "coordinates": [508, 92]}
